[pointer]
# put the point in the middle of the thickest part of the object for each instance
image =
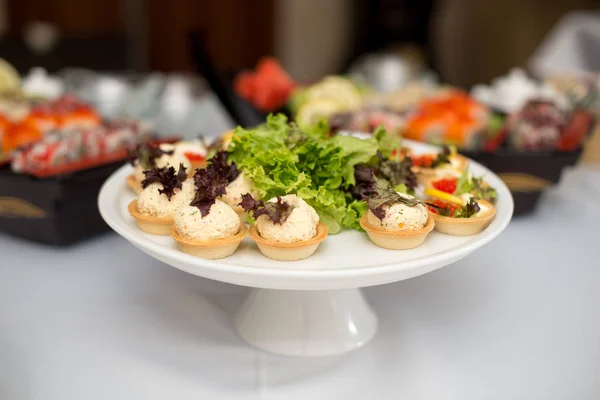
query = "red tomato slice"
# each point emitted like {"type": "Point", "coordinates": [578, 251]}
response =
{"type": "Point", "coordinates": [447, 185]}
{"type": "Point", "coordinates": [194, 156]}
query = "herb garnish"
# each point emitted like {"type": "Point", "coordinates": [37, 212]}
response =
{"type": "Point", "coordinates": [442, 158]}
{"type": "Point", "coordinates": [457, 211]}
{"type": "Point", "coordinates": [277, 211]}
{"type": "Point", "coordinates": [167, 178]}
{"type": "Point", "coordinates": [377, 192]}
{"type": "Point", "coordinates": [397, 172]}
{"type": "Point", "coordinates": [474, 186]}
{"type": "Point", "coordinates": [218, 164]}
{"type": "Point", "coordinates": [146, 154]}
{"type": "Point", "coordinates": [209, 186]}
{"type": "Point", "coordinates": [211, 182]}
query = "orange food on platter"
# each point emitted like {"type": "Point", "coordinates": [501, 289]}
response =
{"type": "Point", "coordinates": [454, 118]}
{"type": "Point", "coordinates": [42, 119]}
{"type": "Point", "coordinates": [18, 135]}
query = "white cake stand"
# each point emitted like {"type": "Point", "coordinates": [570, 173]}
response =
{"type": "Point", "coordinates": [312, 307]}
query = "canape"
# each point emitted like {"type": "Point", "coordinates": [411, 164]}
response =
{"type": "Point", "coordinates": [134, 184]}
{"type": "Point", "coordinates": [164, 192]}
{"type": "Point", "coordinates": [286, 228]}
{"type": "Point", "coordinates": [150, 156]}
{"type": "Point", "coordinates": [400, 223]}
{"type": "Point", "coordinates": [237, 183]}
{"type": "Point", "coordinates": [215, 235]}
{"type": "Point", "coordinates": [452, 182]}
{"type": "Point", "coordinates": [428, 165]}
{"type": "Point", "coordinates": [461, 216]}
{"type": "Point", "coordinates": [190, 154]}
{"type": "Point", "coordinates": [195, 152]}
{"type": "Point", "coordinates": [394, 220]}
{"type": "Point", "coordinates": [208, 227]}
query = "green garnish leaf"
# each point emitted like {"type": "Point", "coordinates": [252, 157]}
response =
{"type": "Point", "coordinates": [280, 159]}
{"type": "Point", "coordinates": [467, 211]}
{"type": "Point", "coordinates": [397, 173]}
{"type": "Point", "coordinates": [442, 158]}
{"type": "Point", "coordinates": [474, 186]}
{"type": "Point", "coordinates": [378, 192]}
{"type": "Point", "coordinates": [387, 142]}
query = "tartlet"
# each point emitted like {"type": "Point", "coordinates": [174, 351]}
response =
{"type": "Point", "coordinates": [210, 249]}
{"type": "Point", "coordinates": [149, 223]}
{"type": "Point", "coordinates": [481, 189]}
{"type": "Point", "coordinates": [465, 226]}
{"type": "Point", "coordinates": [397, 240]}
{"type": "Point", "coordinates": [457, 163]}
{"type": "Point", "coordinates": [289, 251]}
{"type": "Point", "coordinates": [134, 184]}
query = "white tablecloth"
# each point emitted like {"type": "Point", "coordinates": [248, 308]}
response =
{"type": "Point", "coordinates": [519, 319]}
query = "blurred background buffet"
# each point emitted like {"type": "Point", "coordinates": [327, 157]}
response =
{"type": "Point", "coordinates": [83, 83]}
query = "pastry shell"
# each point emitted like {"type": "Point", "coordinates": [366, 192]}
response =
{"type": "Point", "coordinates": [397, 240]}
{"type": "Point", "coordinates": [148, 223]}
{"type": "Point", "coordinates": [465, 226]}
{"type": "Point", "coordinates": [458, 163]}
{"type": "Point", "coordinates": [210, 249]}
{"type": "Point", "coordinates": [134, 184]}
{"type": "Point", "coordinates": [289, 251]}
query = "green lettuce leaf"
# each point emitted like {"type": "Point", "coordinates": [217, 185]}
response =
{"type": "Point", "coordinates": [475, 186]}
{"type": "Point", "coordinates": [281, 158]}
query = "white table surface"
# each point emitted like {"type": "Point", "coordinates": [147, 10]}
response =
{"type": "Point", "coordinates": [519, 319]}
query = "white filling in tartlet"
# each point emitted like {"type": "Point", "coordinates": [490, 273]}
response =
{"type": "Point", "coordinates": [400, 217]}
{"type": "Point", "coordinates": [151, 202]}
{"type": "Point", "coordinates": [300, 225]}
{"type": "Point", "coordinates": [191, 146]}
{"type": "Point", "coordinates": [221, 222]}
{"type": "Point", "coordinates": [240, 185]}
{"type": "Point", "coordinates": [166, 160]}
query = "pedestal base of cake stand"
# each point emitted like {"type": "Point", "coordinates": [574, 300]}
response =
{"type": "Point", "coordinates": [306, 323]}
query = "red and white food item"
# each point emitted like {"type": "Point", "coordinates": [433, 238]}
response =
{"type": "Point", "coordinates": [367, 120]}
{"type": "Point", "coordinates": [58, 151]}
{"type": "Point", "coordinates": [62, 115]}
{"type": "Point", "coordinates": [194, 150]}
{"type": "Point", "coordinates": [537, 126]}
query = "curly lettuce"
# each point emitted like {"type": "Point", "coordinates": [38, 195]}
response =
{"type": "Point", "coordinates": [281, 159]}
{"type": "Point", "coordinates": [476, 186]}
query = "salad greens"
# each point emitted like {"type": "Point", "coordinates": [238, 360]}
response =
{"type": "Point", "coordinates": [475, 186]}
{"type": "Point", "coordinates": [377, 192]}
{"type": "Point", "coordinates": [281, 158]}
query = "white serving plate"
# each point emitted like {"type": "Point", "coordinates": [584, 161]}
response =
{"type": "Point", "coordinates": [313, 306]}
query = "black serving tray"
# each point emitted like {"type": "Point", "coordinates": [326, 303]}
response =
{"type": "Point", "coordinates": [58, 210]}
{"type": "Point", "coordinates": [527, 174]}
